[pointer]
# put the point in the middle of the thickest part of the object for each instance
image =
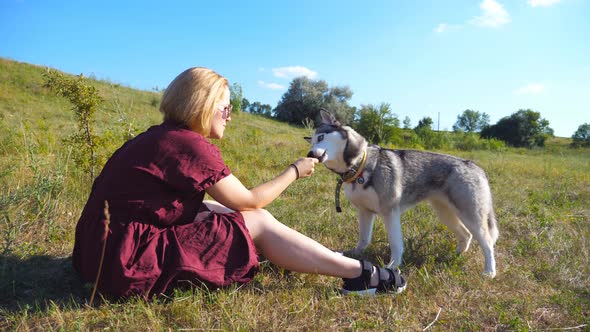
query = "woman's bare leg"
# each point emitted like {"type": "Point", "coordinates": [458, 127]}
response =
{"type": "Point", "coordinates": [292, 250]}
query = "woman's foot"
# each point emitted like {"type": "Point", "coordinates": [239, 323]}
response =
{"type": "Point", "coordinates": [375, 280]}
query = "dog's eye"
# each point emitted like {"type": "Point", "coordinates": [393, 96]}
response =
{"type": "Point", "coordinates": [320, 138]}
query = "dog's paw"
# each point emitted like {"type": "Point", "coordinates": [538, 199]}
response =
{"type": "Point", "coordinates": [392, 265]}
{"type": "Point", "coordinates": [489, 274]}
{"type": "Point", "coordinates": [463, 245]}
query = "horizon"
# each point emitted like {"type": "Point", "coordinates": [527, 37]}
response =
{"type": "Point", "coordinates": [424, 59]}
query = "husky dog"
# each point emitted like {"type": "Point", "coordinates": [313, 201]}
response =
{"type": "Point", "coordinates": [387, 182]}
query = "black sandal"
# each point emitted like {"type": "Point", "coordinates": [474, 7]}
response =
{"type": "Point", "coordinates": [394, 283]}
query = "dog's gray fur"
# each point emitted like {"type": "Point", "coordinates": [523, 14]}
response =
{"type": "Point", "coordinates": [395, 180]}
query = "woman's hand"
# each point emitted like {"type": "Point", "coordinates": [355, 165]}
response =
{"type": "Point", "coordinates": [305, 166]}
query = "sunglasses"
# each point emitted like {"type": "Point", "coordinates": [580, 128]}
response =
{"type": "Point", "coordinates": [226, 111]}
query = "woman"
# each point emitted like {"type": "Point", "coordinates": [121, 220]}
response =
{"type": "Point", "coordinates": [161, 231]}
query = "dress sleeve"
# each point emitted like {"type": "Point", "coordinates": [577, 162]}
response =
{"type": "Point", "coordinates": [190, 163]}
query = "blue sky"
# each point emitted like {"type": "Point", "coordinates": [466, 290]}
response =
{"type": "Point", "coordinates": [424, 58]}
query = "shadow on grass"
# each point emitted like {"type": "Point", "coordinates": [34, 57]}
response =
{"type": "Point", "coordinates": [37, 281]}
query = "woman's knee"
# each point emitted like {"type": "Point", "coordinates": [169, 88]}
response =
{"type": "Point", "coordinates": [258, 216]}
{"type": "Point", "coordinates": [257, 221]}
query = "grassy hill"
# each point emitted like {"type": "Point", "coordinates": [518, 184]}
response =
{"type": "Point", "coordinates": [542, 200]}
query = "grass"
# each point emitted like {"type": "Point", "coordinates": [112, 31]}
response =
{"type": "Point", "coordinates": [542, 200]}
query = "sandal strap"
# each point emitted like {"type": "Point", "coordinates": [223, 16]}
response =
{"type": "Point", "coordinates": [394, 281]}
{"type": "Point", "coordinates": [363, 281]}
{"type": "Point", "coordinates": [367, 271]}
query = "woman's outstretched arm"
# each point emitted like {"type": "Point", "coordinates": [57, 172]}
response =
{"type": "Point", "coordinates": [230, 191]}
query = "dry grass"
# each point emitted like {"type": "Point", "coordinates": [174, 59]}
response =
{"type": "Point", "coordinates": [542, 201]}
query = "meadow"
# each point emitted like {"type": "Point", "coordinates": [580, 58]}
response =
{"type": "Point", "coordinates": [541, 198]}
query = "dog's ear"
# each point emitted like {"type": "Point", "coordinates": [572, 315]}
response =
{"type": "Point", "coordinates": [308, 139]}
{"type": "Point", "coordinates": [328, 118]}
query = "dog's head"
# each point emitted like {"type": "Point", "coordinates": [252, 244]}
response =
{"type": "Point", "coordinates": [335, 145]}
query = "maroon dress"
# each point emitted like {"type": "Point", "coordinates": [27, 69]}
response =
{"type": "Point", "coordinates": [155, 185]}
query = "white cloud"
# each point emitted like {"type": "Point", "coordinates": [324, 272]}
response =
{"type": "Point", "coordinates": [441, 28]}
{"type": "Point", "coordinates": [543, 3]}
{"type": "Point", "coordinates": [531, 89]}
{"type": "Point", "coordinates": [445, 27]}
{"type": "Point", "coordinates": [493, 16]}
{"type": "Point", "coordinates": [272, 86]}
{"type": "Point", "coordinates": [294, 71]}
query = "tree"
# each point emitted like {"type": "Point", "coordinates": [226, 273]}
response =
{"type": "Point", "coordinates": [425, 123]}
{"type": "Point", "coordinates": [377, 124]}
{"type": "Point", "coordinates": [424, 131]}
{"type": "Point", "coordinates": [407, 123]}
{"type": "Point", "coordinates": [524, 128]}
{"type": "Point", "coordinates": [236, 97]}
{"type": "Point", "coordinates": [245, 104]}
{"type": "Point", "coordinates": [260, 109]}
{"type": "Point", "coordinates": [471, 121]}
{"type": "Point", "coordinates": [582, 136]}
{"type": "Point", "coordinates": [305, 97]}
{"type": "Point", "coordinates": [337, 100]}
{"type": "Point", "coordinates": [545, 127]}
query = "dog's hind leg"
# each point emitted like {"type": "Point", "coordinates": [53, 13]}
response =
{"type": "Point", "coordinates": [478, 225]}
{"type": "Point", "coordinates": [448, 216]}
{"type": "Point", "coordinates": [365, 223]}
{"type": "Point", "coordinates": [392, 222]}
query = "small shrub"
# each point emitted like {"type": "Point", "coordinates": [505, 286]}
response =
{"type": "Point", "coordinates": [86, 100]}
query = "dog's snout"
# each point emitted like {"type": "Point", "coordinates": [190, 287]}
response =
{"type": "Point", "coordinates": [310, 154]}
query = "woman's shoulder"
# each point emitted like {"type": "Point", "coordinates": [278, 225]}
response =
{"type": "Point", "coordinates": [179, 138]}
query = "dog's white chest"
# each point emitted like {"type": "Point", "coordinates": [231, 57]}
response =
{"type": "Point", "coordinates": [362, 198]}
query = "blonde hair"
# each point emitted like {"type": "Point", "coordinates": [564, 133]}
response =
{"type": "Point", "coordinates": [191, 98]}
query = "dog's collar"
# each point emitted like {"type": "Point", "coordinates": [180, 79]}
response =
{"type": "Point", "coordinates": [353, 173]}
{"type": "Point", "coordinates": [349, 177]}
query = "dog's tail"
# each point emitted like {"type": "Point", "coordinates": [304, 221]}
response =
{"type": "Point", "coordinates": [493, 226]}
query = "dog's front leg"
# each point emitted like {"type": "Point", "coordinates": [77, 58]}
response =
{"type": "Point", "coordinates": [394, 234]}
{"type": "Point", "coordinates": [365, 223]}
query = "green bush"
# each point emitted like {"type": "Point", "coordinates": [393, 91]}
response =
{"type": "Point", "coordinates": [85, 100]}
{"type": "Point", "coordinates": [472, 141]}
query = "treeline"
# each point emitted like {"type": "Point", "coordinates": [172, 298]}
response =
{"type": "Point", "coordinates": [301, 103]}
